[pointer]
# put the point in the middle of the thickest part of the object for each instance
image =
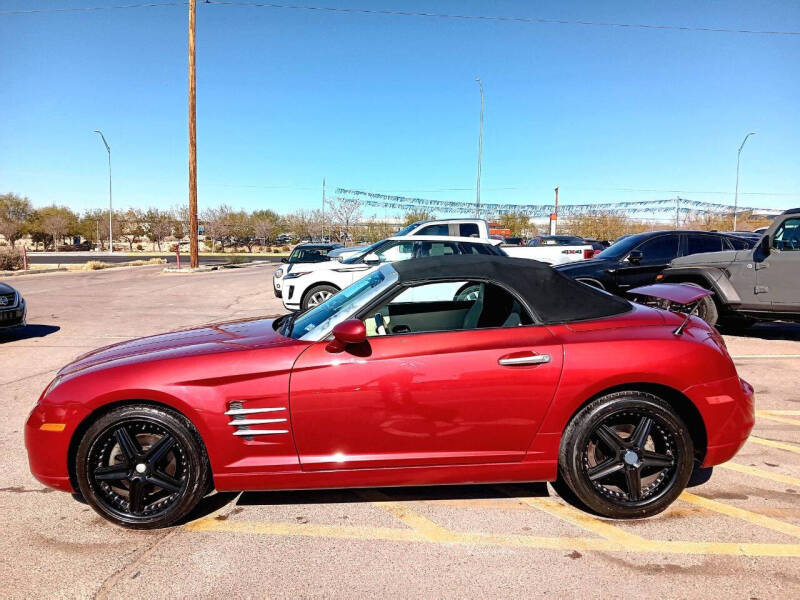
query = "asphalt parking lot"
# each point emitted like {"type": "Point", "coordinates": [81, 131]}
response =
{"type": "Point", "coordinates": [735, 536]}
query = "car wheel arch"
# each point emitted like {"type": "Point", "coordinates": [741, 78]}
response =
{"type": "Point", "coordinates": [683, 406]}
{"type": "Point", "coordinates": [103, 409]}
{"type": "Point", "coordinates": [316, 285]}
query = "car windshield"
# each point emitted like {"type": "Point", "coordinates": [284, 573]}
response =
{"type": "Point", "coordinates": [356, 257]}
{"type": "Point", "coordinates": [407, 228]}
{"type": "Point", "coordinates": [620, 248]}
{"type": "Point", "coordinates": [310, 324]}
{"type": "Point", "coordinates": [308, 254]}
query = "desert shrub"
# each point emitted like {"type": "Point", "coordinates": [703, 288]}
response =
{"type": "Point", "coordinates": [237, 260]}
{"type": "Point", "coordinates": [10, 260]}
{"type": "Point", "coordinates": [96, 265]}
{"type": "Point", "coordinates": [285, 249]}
{"type": "Point", "coordinates": [139, 247]}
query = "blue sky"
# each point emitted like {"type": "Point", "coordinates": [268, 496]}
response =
{"type": "Point", "coordinates": [390, 104]}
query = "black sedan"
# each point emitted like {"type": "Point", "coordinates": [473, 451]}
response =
{"type": "Point", "coordinates": [637, 259]}
{"type": "Point", "coordinates": [12, 308]}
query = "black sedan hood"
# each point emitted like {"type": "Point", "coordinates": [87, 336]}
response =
{"type": "Point", "coordinates": [6, 289]}
{"type": "Point", "coordinates": [581, 267]}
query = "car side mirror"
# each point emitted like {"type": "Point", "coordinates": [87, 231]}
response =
{"type": "Point", "coordinates": [766, 244]}
{"type": "Point", "coordinates": [345, 333]}
{"type": "Point", "coordinates": [285, 259]}
{"type": "Point", "coordinates": [372, 259]}
{"type": "Point", "coordinates": [635, 257]}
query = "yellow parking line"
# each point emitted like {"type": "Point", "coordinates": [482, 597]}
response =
{"type": "Point", "coordinates": [740, 513]}
{"type": "Point", "coordinates": [422, 525]}
{"type": "Point", "coordinates": [782, 412]}
{"type": "Point", "coordinates": [483, 539]}
{"type": "Point", "coordinates": [778, 419]}
{"type": "Point", "coordinates": [575, 517]}
{"type": "Point", "coordinates": [779, 477]}
{"type": "Point", "coordinates": [773, 444]}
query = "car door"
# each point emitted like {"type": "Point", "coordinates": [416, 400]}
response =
{"type": "Point", "coordinates": [656, 253]}
{"type": "Point", "coordinates": [469, 394]}
{"type": "Point", "coordinates": [778, 275]}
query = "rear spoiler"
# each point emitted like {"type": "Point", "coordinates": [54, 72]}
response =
{"type": "Point", "coordinates": [675, 293]}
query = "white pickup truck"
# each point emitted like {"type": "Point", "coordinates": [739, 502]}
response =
{"type": "Point", "coordinates": [552, 249]}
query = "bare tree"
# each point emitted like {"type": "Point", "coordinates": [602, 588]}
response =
{"type": "Point", "coordinates": [158, 225]}
{"type": "Point", "coordinates": [345, 215]}
{"type": "Point", "coordinates": [217, 224]}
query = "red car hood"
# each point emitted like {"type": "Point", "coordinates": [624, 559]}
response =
{"type": "Point", "coordinates": [208, 339]}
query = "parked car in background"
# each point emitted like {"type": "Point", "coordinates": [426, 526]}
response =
{"type": "Point", "coordinates": [304, 253]}
{"type": "Point", "coordinates": [476, 228]}
{"type": "Point", "coordinates": [553, 249]}
{"type": "Point", "coordinates": [12, 308]}
{"type": "Point", "coordinates": [759, 283]}
{"type": "Point", "coordinates": [400, 380]}
{"type": "Point", "coordinates": [312, 284]}
{"type": "Point", "coordinates": [638, 259]}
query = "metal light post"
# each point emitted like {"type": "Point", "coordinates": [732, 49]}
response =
{"type": "Point", "coordinates": [736, 195]}
{"type": "Point", "coordinates": [110, 211]}
{"type": "Point", "coordinates": [480, 151]}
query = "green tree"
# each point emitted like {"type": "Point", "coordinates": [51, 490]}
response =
{"type": "Point", "coordinates": [413, 216]}
{"type": "Point", "coordinates": [518, 223]}
{"type": "Point", "coordinates": [15, 211]}
{"type": "Point", "coordinates": [131, 226]}
{"type": "Point", "coordinates": [51, 223]}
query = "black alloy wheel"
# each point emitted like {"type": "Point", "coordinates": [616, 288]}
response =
{"type": "Point", "coordinates": [142, 467]}
{"type": "Point", "coordinates": [626, 455]}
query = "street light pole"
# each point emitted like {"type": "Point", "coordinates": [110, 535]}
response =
{"type": "Point", "coordinates": [110, 211]}
{"type": "Point", "coordinates": [480, 152]}
{"type": "Point", "coordinates": [736, 195]}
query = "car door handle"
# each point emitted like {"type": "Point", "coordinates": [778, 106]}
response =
{"type": "Point", "coordinates": [523, 358]}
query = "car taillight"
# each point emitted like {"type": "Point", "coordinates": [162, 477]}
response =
{"type": "Point", "coordinates": [588, 253]}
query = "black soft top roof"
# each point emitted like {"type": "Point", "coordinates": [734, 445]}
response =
{"type": "Point", "coordinates": [551, 296]}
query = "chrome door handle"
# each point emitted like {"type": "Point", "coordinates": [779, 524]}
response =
{"type": "Point", "coordinates": [533, 359]}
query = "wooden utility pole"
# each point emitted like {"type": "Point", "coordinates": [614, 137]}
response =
{"type": "Point", "coordinates": [193, 230]}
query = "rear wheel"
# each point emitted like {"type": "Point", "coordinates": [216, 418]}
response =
{"type": "Point", "coordinates": [626, 455]}
{"type": "Point", "coordinates": [142, 466]}
{"type": "Point", "coordinates": [317, 295]}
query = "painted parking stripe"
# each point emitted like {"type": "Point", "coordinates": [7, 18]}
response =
{"type": "Point", "coordinates": [509, 541]}
{"type": "Point", "coordinates": [742, 514]}
{"type": "Point", "coordinates": [775, 444]}
{"type": "Point", "coordinates": [420, 524]}
{"type": "Point", "coordinates": [574, 516]}
{"type": "Point", "coordinates": [762, 414]}
{"type": "Point", "coordinates": [747, 470]}
{"type": "Point", "coordinates": [782, 412]}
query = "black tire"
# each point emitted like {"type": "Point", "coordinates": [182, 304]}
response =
{"type": "Point", "coordinates": [706, 307]}
{"type": "Point", "coordinates": [317, 294]}
{"type": "Point", "coordinates": [124, 456]}
{"type": "Point", "coordinates": [605, 480]}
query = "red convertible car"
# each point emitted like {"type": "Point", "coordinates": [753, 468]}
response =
{"type": "Point", "coordinates": [446, 370]}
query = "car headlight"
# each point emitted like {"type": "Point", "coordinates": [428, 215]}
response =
{"type": "Point", "coordinates": [53, 385]}
{"type": "Point", "coordinates": [295, 275]}
{"type": "Point", "coordinates": [279, 273]}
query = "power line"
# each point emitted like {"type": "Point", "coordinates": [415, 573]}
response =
{"type": "Point", "coordinates": [417, 14]}
{"type": "Point", "coordinates": [65, 9]}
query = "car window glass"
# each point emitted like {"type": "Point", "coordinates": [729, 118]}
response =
{"type": "Point", "coordinates": [440, 229]}
{"type": "Point", "coordinates": [739, 243]}
{"type": "Point", "coordinates": [468, 230]}
{"type": "Point", "coordinates": [422, 249]}
{"type": "Point", "coordinates": [703, 243]}
{"type": "Point", "coordinates": [396, 252]}
{"type": "Point", "coordinates": [787, 236]}
{"type": "Point", "coordinates": [659, 250]}
{"type": "Point", "coordinates": [465, 248]}
{"type": "Point", "coordinates": [447, 306]}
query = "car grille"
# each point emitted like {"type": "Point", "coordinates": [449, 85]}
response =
{"type": "Point", "coordinates": [243, 420]}
{"type": "Point", "coordinates": [10, 300]}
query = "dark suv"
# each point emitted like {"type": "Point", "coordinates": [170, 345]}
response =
{"type": "Point", "coordinates": [637, 259]}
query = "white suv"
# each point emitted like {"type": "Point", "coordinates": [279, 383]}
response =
{"type": "Point", "coordinates": [310, 284]}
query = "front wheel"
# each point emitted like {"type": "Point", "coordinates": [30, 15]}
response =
{"type": "Point", "coordinates": [142, 466]}
{"type": "Point", "coordinates": [626, 455]}
{"type": "Point", "coordinates": [317, 295]}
